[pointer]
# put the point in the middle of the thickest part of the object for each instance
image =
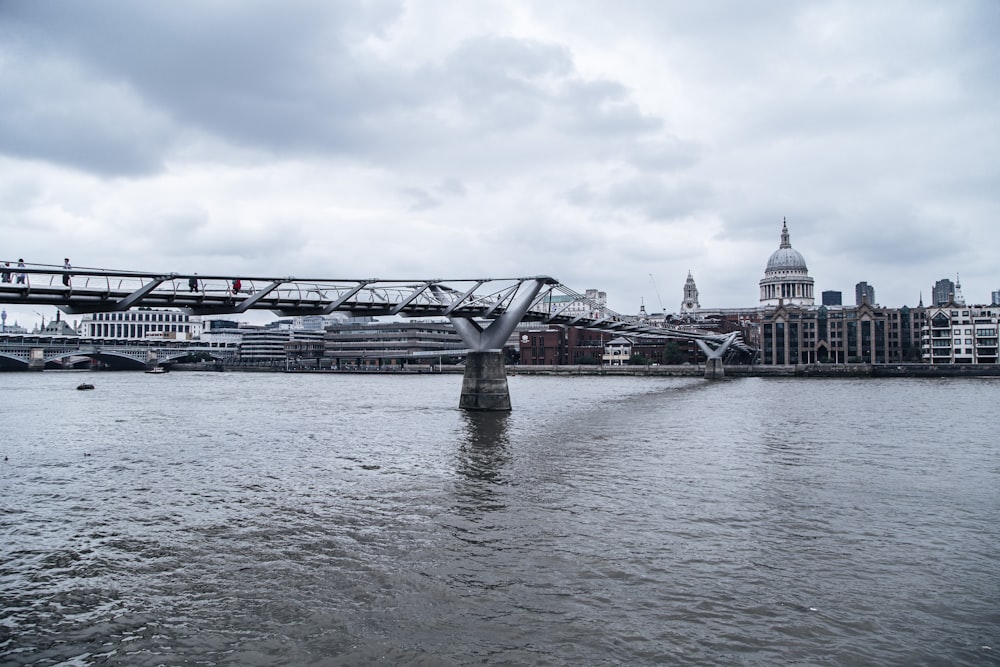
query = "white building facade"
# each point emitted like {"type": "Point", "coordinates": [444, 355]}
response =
{"type": "Point", "coordinates": [957, 334]}
{"type": "Point", "coordinates": [147, 324]}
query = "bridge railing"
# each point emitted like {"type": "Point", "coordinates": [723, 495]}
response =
{"type": "Point", "coordinates": [100, 290]}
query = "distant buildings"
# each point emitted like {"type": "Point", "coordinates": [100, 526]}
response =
{"type": "Point", "coordinates": [141, 323]}
{"type": "Point", "coordinates": [786, 326]}
{"type": "Point", "coordinates": [270, 346]}
{"type": "Point", "coordinates": [832, 298]}
{"type": "Point", "coordinates": [372, 344]}
{"type": "Point", "coordinates": [794, 331]}
{"type": "Point", "coordinates": [864, 293]}
{"type": "Point", "coordinates": [942, 292]}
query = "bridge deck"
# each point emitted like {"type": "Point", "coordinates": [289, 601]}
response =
{"type": "Point", "coordinates": [100, 290]}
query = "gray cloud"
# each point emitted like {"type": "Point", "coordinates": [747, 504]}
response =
{"type": "Point", "coordinates": [595, 144]}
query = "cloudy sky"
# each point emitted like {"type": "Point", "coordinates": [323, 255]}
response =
{"type": "Point", "coordinates": [612, 145]}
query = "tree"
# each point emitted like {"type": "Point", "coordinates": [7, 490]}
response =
{"type": "Point", "coordinates": [672, 353]}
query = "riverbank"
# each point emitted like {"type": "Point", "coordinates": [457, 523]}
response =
{"type": "Point", "coordinates": [800, 370]}
{"type": "Point", "coordinates": [686, 370]}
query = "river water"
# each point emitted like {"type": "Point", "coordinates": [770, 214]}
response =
{"type": "Point", "coordinates": [261, 519]}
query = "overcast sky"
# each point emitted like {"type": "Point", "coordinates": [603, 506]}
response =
{"type": "Point", "coordinates": [612, 145]}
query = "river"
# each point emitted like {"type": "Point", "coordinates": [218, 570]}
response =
{"type": "Point", "coordinates": [259, 519]}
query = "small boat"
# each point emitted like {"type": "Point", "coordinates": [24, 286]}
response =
{"type": "Point", "coordinates": [156, 370]}
{"type": "Point", "coordinates": [84, 385]}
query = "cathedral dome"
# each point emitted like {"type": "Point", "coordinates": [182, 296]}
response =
{"type": "Point", "coordinates": [786, 259]}
{"type": "Point", "coordinates": [786, 278]}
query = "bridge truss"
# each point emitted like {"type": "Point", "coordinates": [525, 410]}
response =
{"type": "Point", "coordinates": [461, 300]}
{"type": "Point", "coordinates": [102, 290]}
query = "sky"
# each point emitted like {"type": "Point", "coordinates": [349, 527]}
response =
{"type": "Point", "coordinates": [611, 145]}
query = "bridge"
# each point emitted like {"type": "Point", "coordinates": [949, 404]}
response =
{"type": "Point", "coordinates": [37, 351]}
{"type": "Point", "coordinates": [484, 311]}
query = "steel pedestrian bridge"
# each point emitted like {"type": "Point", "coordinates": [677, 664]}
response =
{"type": "Point", "coordinates": [484, 311]}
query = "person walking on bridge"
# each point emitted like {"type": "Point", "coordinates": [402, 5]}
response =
{"type": "Point", "coordinates": [66, 276]}
{"type": "Point", "coordinates": [21, 277]}
{"type": "Point", "coordinates": [193, 283]}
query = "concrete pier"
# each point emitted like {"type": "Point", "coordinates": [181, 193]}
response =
{"type": "Point", "coordinates": [714, 369]}
{"type": "Point", "coordinates": [36, 359]}
{"type": "Point", "coordinates": [484, 386]}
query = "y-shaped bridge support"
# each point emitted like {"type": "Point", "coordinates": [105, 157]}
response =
{"type": "Point", "coordinates": [484, 386]}
{"type": "Point", "coordinates": [713, 366]}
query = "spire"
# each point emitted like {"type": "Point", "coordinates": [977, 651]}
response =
{"type": "Point", "coordinates": [785, 242]}
{"type": "Point", "coordinates": [958, 299]}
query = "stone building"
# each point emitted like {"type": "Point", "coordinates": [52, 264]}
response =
{"type": "Point", "coordinates": [792, 330]}
{"type": "Point", "coordinates": [689, 304]}
{"type": "Point", "coordinates": [849, 334]}
{"type": "Point", "coordinates": [786, 278]}
{"type": "Point", "coordinates": [142, 323]}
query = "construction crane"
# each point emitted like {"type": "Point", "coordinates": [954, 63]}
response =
{"type": "Point", "coordinates": [663, 311]}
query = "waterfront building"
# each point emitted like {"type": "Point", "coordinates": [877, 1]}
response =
{"type": "Point", "coordinates": [377, 343]}
{"type": "Point", "coordinates": [958, 334]}
{"type": "Point", "coordinates": [555, 345]}
{"type": "Point", "coordinates": [832, 298]}
{"type": "Point", "coordinates": [617, 352]}
{"type": "Point", "coordinates": [142, 323]}
{"type": "Point", "coordinates": [559, 346]}
{"type": "Point", "coordinates": [786, 277]}
{"type": "Point", "coordinates": [268, 346]}
{"type": "Point", "coordinates": [223, 333]}
{"type": "Point", "coordinates": [864, 293]}
{"type": "Point", "coordinates": [851, 334]}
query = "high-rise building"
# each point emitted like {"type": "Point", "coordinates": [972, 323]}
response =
{"type": "Point", "coordinates": [832, 298]}
{"type": "Point", "coordinates": [943, 292]}
{"type": "Point", "coordinates": [864, 293]}
{"type": "Point", "coordinates": [996, 297]}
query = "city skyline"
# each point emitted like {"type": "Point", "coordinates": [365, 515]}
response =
{"type": "Point", "coordinates": [602, 146]}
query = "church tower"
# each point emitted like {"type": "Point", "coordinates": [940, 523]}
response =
{"type": "Point", "coordinates": [690, 305]}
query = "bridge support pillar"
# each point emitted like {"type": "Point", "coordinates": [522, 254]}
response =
{"type": "Point", "coordinates": [36, 359]}
{"type": "Point", "coordinates": [714, 369]}
{"type": "Point", "coordinates": [484, 386]}
{"type": "Point", "coordinates": [713, 363]}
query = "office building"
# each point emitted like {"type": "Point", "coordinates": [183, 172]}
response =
{"type": "Point", "coordinates": [864, 293]}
